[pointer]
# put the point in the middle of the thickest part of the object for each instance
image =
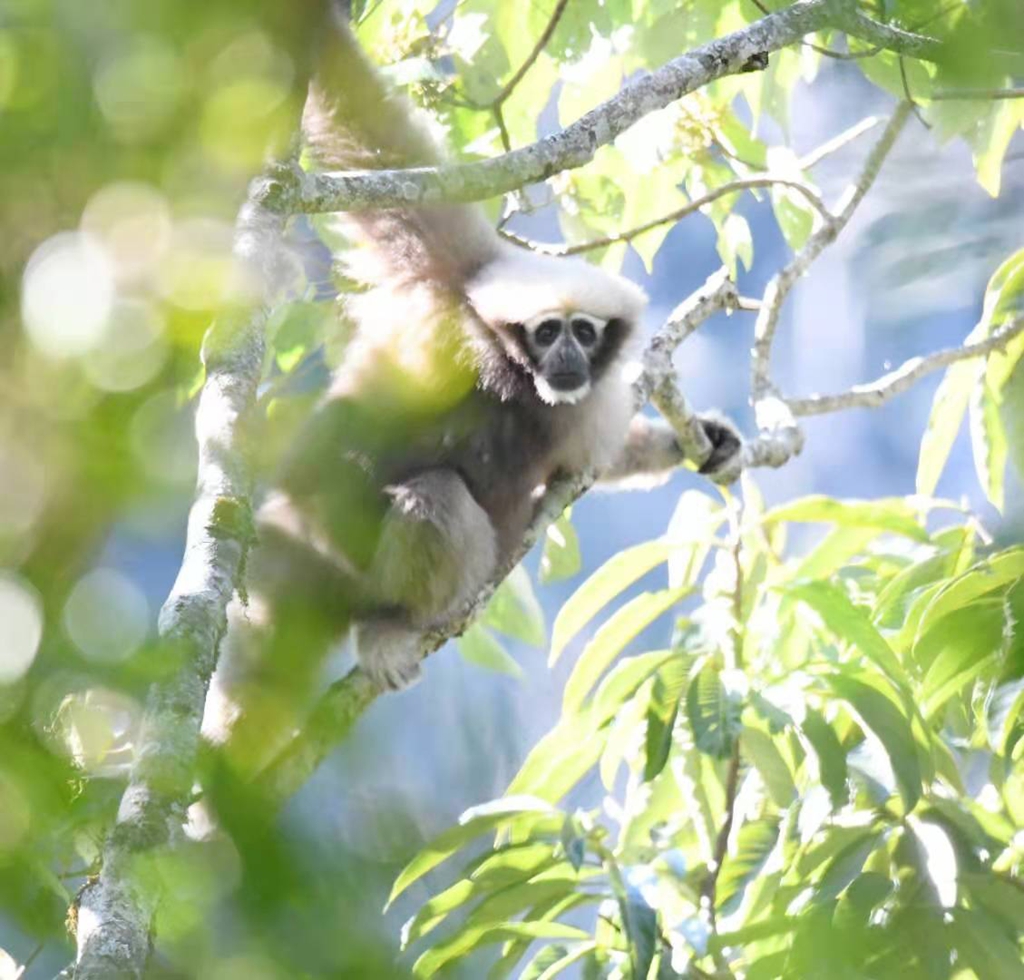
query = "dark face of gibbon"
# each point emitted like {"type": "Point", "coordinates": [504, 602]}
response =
{"type": "Point", "coordinates": [568, 351]}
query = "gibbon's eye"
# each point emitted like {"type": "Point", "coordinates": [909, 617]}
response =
{"type": "Point", "coordinates": [584, 332]}
{"type": "Point", "coordinates": [547, 333]}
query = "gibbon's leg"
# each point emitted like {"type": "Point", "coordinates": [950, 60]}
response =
{"type": "Point", "coordinates": [651, 451]}
{"type": "Point", "coordinates": [437, 548]}
{"type": "Point", "coordinates": [271, 655]}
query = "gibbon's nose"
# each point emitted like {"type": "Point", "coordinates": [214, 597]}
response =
{"type": "Point", "coordinates": [566, 367]}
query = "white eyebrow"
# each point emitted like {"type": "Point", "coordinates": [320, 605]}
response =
{"type": "Point", "coordinates": [595, 321]}
{"type": "Point", "coordinates": [534, 322]}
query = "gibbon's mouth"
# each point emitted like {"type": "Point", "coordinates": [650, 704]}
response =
{"type": "Point", "coordinates": [558, 395]}
{"type": "Point", "coordinates": [567, 381]}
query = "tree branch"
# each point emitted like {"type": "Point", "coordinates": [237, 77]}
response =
{"type": "Point", "coordinates": [577, 144]}
{"type": "Point", "coordinates": [116, 910]}
{"type": "Point", "coordinates": [542, 42]}
{"type": "Point", "coordinates": [733, 187]}
{"type": "Point", "coordinates": [779, 288]}
{"type": "Point", "coordinates": [878, 392]}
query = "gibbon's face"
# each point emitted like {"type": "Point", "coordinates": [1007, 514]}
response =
{"type": "Point", "coordinates": [564, 350]}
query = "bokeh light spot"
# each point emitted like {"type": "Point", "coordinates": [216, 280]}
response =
{"type": "Point", "coordinates": [106, 616]}
{"type": "Point", "coordinates": [21, 628]}
{"type": "Point", "coordinates": [162, 439]}
{"type": "Point", "coordinates": [22, 489]}
{"type": "Point", "coordinates": [67, 293]}
{"type": "Point", "coordinates": [133, 348]}
{"type": "Point", "coordinates": [196, 270]}
{"type": "Point", "coordinates": [133, 221]}
{"type": "Point", "coordinates": [138, 89]}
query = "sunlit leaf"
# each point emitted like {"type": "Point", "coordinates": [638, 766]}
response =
{"type": "Point", "coordinates": [608, 642]}
{"type": "Point", "coordinates": [850, 624]}
{"type": "Point", "coordinates": [760, 748]}
{"type": "Point", "coordinates": [830, 755]}
{"type": "Point", "coordinates": [561, 555]}
{"type": "Point", "coordinates": [472, 823]}
{"type": "Point", "coordinates": [754, 844]}
{"type": "Point", "coordinates": [890, 726]}
{"type": "Point", "coordinates": [615, 575]}
{"type": "Point", "coordinates": [515, 611]}
{"type": "Point", "coordinates": [477, 646]}
{"type": "Point", "coordinates": [662, 710]}
{"type": "Point", "coordinates": [713, 713]}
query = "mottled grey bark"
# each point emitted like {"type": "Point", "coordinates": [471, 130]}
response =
{"type": "Point", "coordinates": [115, 912]}
{"type": "Point", "coordinates": [576, 145]}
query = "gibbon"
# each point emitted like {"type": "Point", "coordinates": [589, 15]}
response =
{"type": "Point", "coordinates": [478, 371]}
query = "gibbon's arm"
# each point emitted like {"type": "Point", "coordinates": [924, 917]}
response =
{"type": "Point", "coordinates": [352, 121]}
{"type": "Point", "coordinates": [652, 452]}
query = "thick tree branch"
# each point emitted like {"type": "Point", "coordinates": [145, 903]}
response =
{"type": "Point", "coordinates": [577, 144]}
{"type": "Point", "coordinates": [116, 910]}
{"type": "Point", "coordinates": [878, 392]}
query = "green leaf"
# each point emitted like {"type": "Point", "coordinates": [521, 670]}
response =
{"type": "Point", "coordinates": [985, 947]}
{"type": "Point", "coordinates": [641, 923]}
{"type": "Point", "coordinates": [993, 139]}
{"type": "Point", "coordinates": [624, 625]}
{"type": "Point", "coordinates": [515, 611]}
{"type": "Point", "coordinates": [988, 443]}
{"type": "Point", "coordinates": [469, 939]}
{"type": "Point", "coordinates": [999, 570]}
{"type": "Point", "coordinates": [1012, 412]}
{"type": "Point", "coordinates": [477, 646]}
{"type": "Point", "coordinates": [845, 866]}
{"type": "Point", "coordinates": [713, 713]}
{"type": "Point", "coordinates": [879, 715]}
{"type": "Point", "coordinates": [969, 641]}
{"type": "Point", "coordinates": [472, 823]}
{"type": "Point", "coordinates": [754, 844]}
{"type": "Point", "coordinates": [1002, 714]}
{"type": "Point", "coordinates": [830, 755]}
{"type": "Point", "coordinates": [615, 575]}
{"type": "Point", "coordinates": [887, 514]}
{"type": "Point", "coordinates": [622, 682]}
{"type": "Point", "coordinates": [850, 624]}
{"type": "Point", "coordinates": [735, 243]}
{"type": "Point", "coordinates": [559, 760]}
{"type": "Point", "coordinates": [794, 215]}
{"type": "Point", "coordinates": [661, 715]}
{"type": "Point", "coordinates": [760, 748]}
{"type": "Point", "coordinates": [560, 558]}
{"type": "Point", "coordinates": [552, 960]}
{"type": "Point", "coordinates": [948, 408]}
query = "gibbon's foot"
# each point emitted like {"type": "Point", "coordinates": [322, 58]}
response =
{"type": "Point", "coordinates": [724, 464]}
{"type": "Point", "coordinates": [389, 653]}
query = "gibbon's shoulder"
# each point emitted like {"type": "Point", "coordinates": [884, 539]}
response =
{"type": "Point", "coordinates": [518, 284]}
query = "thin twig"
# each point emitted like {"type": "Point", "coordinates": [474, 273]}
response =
{"type": "Point", "coordinates": [733, 187]}
{"type": "Point", "coordinates": [836, 143]}
{"type": "Point", "coordinates": [778, 289]}
{"type": "Point", "coordinates": [538, 48]}
{"type": "Point", "coordinates": [709, 886]}
{"type": "Point", "coordinates": [879, 391]}
{"type": "Point", "coordinates": [979, 94]}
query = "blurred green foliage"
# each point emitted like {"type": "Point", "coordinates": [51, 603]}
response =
{"type": "Point", "coordinates": [871, 690]}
